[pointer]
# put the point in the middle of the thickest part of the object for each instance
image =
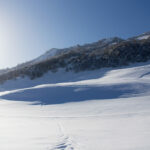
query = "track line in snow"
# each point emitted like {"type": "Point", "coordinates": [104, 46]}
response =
{"type": "Point", "coordinates": [64, 141]}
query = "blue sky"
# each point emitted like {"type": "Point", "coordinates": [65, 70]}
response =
{"type": "Point", "coordinates": [28, 28]}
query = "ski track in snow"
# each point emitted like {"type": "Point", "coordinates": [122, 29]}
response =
{"type": "Point", "coordinates": [64, 141]}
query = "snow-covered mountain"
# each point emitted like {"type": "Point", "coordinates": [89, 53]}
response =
{"type": "Point", "coordinates": [90, 97]}
{"type": "Point", "coordinates": [52, 52]}
{"type": "Point", "coordinates": [112, 52]}
{"type": "Point", "coordinates": [55, 51]}
{"type": "Point", "coordinates": [143, 36]}
{"type": "Point", "coordinates": [101, 44]}
{"type": "Point", "coordinates": [73, 63]}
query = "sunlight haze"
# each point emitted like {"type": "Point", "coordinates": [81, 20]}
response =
{"type": "Point", "coordinates": [28, 28]}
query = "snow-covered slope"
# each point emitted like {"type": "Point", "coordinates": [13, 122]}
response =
{"type": "Point", "coordinates": [112, 112]}
{"type": "Point", "coordinates": [64, 86]}
{"type": "Point", "coordinates": [143, 36]}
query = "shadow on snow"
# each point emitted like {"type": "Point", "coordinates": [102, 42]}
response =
{"type": "Point", "coordinates": [63, 94]}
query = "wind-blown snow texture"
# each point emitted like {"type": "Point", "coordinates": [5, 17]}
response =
{"type": "Point", "coordinates": [112, 112]}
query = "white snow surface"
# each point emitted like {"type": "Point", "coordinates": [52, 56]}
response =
{"type": "Point", "coordinates": [107, 109]}
{"type": "Point", "coordinates": [144, 37]}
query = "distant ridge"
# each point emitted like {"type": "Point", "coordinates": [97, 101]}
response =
{"type": "Point", "coordinates": [111, 52]}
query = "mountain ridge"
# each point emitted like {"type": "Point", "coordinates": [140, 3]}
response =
{"type": "Point", "coordinates": [111, 52]}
